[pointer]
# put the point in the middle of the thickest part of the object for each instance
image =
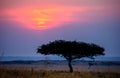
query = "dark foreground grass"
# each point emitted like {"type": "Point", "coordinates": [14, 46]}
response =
{"type": "Point", "coordinates": [24, 73]}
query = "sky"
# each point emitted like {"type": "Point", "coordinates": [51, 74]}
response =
{"type": "Point", "coordinates": [27, 24]}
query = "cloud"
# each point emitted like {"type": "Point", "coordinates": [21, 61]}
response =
{"type": "Point", "coordinates": [34, 16]}
{"type": "Point", "coordinates": [42, 14]}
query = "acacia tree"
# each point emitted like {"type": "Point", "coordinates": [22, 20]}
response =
{"type": "Point", "coordinates": [71, 50]}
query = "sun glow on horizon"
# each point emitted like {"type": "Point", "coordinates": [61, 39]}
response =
{"type": "Point", "coordinates": [39, 18]}
{"type": "Point", "coordinates": [46, 17]}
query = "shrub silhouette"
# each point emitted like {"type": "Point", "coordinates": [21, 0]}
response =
{"type": "Point", "coordinates": [71, 50]}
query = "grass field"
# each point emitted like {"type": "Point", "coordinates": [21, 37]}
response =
{"type": "Point", "coordinates": [59, 69]}
{"type": "Point", "coordinates": [31, 73]}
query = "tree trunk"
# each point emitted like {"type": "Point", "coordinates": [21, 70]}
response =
{"type": "Point", "coordinates": [70, 66]}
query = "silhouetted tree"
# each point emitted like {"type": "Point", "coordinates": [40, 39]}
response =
{"type": "Point", "coordinates": [71, 50]}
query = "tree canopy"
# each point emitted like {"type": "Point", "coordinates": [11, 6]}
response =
{"type": "Point", "coordinates": [71, 50]}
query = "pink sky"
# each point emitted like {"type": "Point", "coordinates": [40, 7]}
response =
{"type": "Point", "coordinates": [45, 14]}
{"type": "Point", "coordinates": [26, 24]}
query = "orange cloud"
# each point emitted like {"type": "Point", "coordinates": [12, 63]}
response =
{"type": "Point", "coordinates": [45, 17]}
{"type": "Point", "coordinates": [42, 17]}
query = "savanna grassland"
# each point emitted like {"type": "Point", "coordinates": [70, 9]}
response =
{"type": "Point", "coordinates": [31, 73]}
{"type": "Point", "coordinates": [59, 69]}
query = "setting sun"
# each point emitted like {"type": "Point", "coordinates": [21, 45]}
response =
{"type": "Point", "coordinates": [47, 17]}
{"type": "Point", "coordinates": [41, 19]}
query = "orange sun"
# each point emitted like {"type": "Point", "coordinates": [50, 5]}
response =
{"type": "Point", "coordinates": [41, 19]}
